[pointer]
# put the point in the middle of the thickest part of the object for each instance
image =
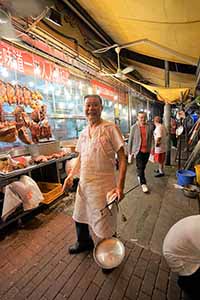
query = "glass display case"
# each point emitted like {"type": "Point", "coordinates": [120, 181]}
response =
{"type": "Point", "coordinates": [54, 86]}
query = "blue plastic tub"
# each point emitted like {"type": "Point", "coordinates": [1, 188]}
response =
{"type": "Point", "coordinates": [194, 117]}
{"type": "Point", "coordinates": [185, 177]}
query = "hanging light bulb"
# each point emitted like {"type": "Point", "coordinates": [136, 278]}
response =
{"type": "Point", "coordinates": [80, 85]}
{"type": "Point", "coordinates": [4, 72]}
{"type": "Point", "coordinates": [51, 87]}
{"type": "Point", "coordinates": [37, 70]}
{"type": "Point", "coordinates": [31, 84]}
{"type": "Point", "coordinates": [133, 112]}
{"type": "Point", "coordinates": [14, 82]}
{"type": "Point", "coordinates": [62, 105]}
{"type": "Point", "coordinates": [71, 105]}
{"type": "Point", "coordinates": [58, 93]}
{"type": "Point", "coordinates": [90, 91]}
{"type": "Point", "coordinates": [66, 93]}
{"type": "Point", "coordinates": [14, 63]}
{"type": "Point", "coordinates": [56, 73]}
{"type": "Point", "coordinates": [69, 82]}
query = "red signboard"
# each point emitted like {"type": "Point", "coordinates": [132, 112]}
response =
{"type": "Point", "coordinates": [109, 92]}
{"type": "Point", "coordinates": [104, 91]}
{"type": "Point", "coordinates": [31, 64]}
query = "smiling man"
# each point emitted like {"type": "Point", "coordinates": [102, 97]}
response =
{"type": "Point", "coordinates": [97, 146]}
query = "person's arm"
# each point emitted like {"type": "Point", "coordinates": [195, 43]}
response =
{"type": "Point", "coordinates": [122, 173]}
{"type": "Point", "coordinates": [158, 136]}
{"type": "Point", "coordinates": [130, 140]}
{"type": "Point", "coordinates": [158, 141]}
{"type": "Point", "coordinates": [69, 179]}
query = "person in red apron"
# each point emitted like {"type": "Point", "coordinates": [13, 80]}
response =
{"type": "Point", "coordinates": [97, 146]}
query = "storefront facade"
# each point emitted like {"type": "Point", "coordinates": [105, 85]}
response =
{"type": "Point", "coordinates": [28, 78]}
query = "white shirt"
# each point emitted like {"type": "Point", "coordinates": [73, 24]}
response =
{"type": "Point", "coordinates": [181, 247]}
{"type": "Point", "coordinates": [97, 177]}
{"type": "Point", "coordinates": [160, 132]}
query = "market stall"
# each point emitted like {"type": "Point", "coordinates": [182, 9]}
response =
{"type": "Point", "coordinates": [28, 147]}
{"type": "Point", "coordinates": [47, 173]}
{"type": "Point", "coordinates": [41, 115]}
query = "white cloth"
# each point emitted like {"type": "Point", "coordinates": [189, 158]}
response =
{"type": "Point", "coordinates": [11, 202]}
{"type": "Point", "coordinates": [25, 191]}
{"type": "Point", "coordinates": [181, 247]}
{"type": "Point", "coordinates": [97, 177]}
{"type": "Point", "coordinates": [35, 197]}
{"type": "Point", "coordinates": [160, 132]}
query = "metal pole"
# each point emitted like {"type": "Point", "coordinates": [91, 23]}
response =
{"type": "Point", "coordinates": [129, 111]}
{"type": "Point", "coordinates": [167, 117]}
{"type": "Point", "coordinates": [148, 110]}
{"type": "Point", "coordinates": [180, 138]}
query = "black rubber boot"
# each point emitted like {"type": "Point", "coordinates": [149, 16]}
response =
{"type": "Point", "coordinates": [78, 248]}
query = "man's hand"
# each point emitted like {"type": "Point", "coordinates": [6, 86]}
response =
{"type": "Point", "coordinates": [119, 193]}
{"type": "Point", "coordinates": [68, 183]}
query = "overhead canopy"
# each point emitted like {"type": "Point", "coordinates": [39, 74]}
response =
{"type": "Point", "coordinates": [168, 95]}
{"type": "Point", "coordinates": [167, 30]}
{"type": "Point", "coordinates": [171, 24]}
{"type": "Point", "coordinates": [157, 76]}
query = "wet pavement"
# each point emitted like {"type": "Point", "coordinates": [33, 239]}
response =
{"type": "Point", "coordinates": [35, 264]}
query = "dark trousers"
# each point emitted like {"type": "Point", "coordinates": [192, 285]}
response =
{"type": "Point", "coordinates": [83, 234]}
{"type": "Point", "coordinates": [174, 140]}
{"type": "Point", "coordinates": [191, 285]}
{"type": "Point", "coordinates": [141, 161]}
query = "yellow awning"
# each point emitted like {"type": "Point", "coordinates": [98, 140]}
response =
{"type": "Point", "coordinates": [167, 95]}
{"type": "Point", "coordinates": [167, 30]}
{"type": "Point", "coordinates": [173, 25]}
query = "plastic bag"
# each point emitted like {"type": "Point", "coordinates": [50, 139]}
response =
{"type": "Point", "coordinates": [24, 192]}
{"type": "Point", "coordinates": [35, 196]}
{"type": "Point", "coordinates": [11, 202]}
{"type": "Point", "coordinates": [151, 156]}
{"type": "Point", "coordinates": [130, 158]}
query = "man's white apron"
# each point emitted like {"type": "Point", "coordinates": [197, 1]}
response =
{"type": "Point", "coordinates": [97, 178]}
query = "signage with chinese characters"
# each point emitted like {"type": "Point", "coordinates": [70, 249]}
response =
{"type": "Point", "coordinates": [31, 64]}
{"type": "Point", "coordinates": [109, 92]}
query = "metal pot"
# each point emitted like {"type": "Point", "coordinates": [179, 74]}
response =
{"type": "Point", "coordinates": [191, 191]}
{"type": "Point", "coordinates": [190, 194]}
{"type": "Point", "coordinates": [109, 253]}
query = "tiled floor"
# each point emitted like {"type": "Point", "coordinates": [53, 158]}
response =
{"type": "Point", "coordinates": [35, 264]}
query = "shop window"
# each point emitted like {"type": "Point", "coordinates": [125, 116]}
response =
{"type": "Point", "coordinates": [124, 119]}
{"type": "Point", "coordinates": [65, 129]}
{"type": "Point", "coordinates": [62, 99]}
